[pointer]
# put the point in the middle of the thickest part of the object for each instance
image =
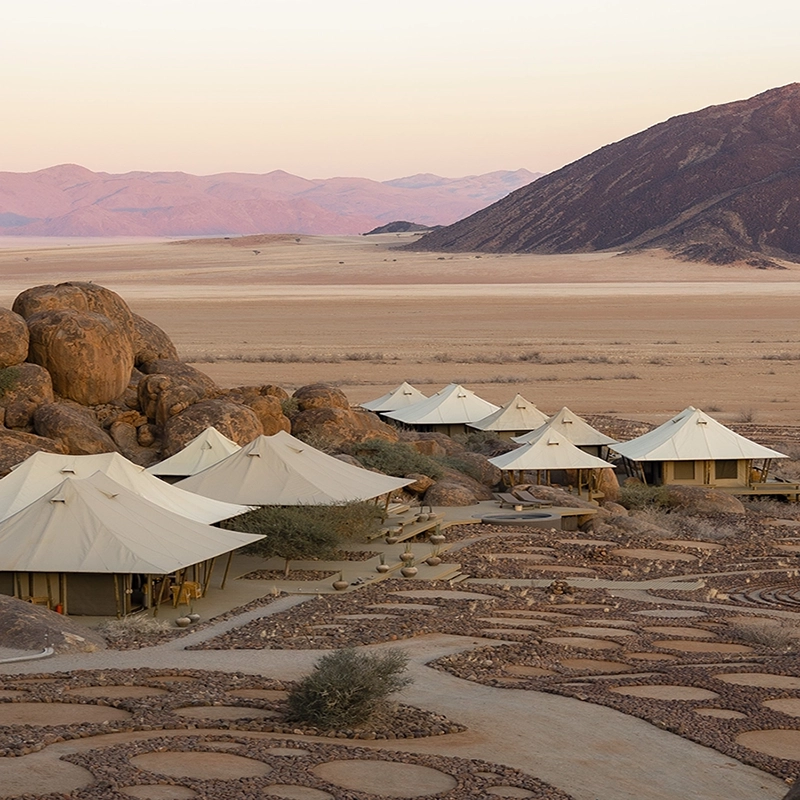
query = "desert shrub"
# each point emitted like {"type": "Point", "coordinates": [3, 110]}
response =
{"type": "Point", "coordinates": [134, 625]}
{"type": "Point", "coordinates": [8, 379]}
{"type": "Point", "coordinates": [773, 507]}
{"type": "Point", "coordinates": [290, 406]}
{"type": "Point", "coordinates": [485, 443]}
{"type": "Point", "coordinates": [775, 634]}
{"type": "Point", "coordinates": [460, 465]}
{"type": "Point", "coordinates": [306, 532]}
{"type": "Point", "coordinates": [394, 458]}
{"type": "Point", "coordinates": [347, 688]}
{"type": "Point", "coordinates": [635, 495]}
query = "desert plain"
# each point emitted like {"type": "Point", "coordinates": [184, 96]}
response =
{"type": "Point", "coordinates": [635, 335]}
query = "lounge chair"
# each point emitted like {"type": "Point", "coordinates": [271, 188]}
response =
{"type": "Point", "coordinates": [508, 499]}
{"type": "Point", "coordinates": [527, 497]}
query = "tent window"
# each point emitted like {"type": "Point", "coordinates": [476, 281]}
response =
{"type": "Point", "coordinates": [683, 470]}
{"type": "Point", "coordinates": [726, 470]}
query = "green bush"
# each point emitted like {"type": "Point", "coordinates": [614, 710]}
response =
{"type": "Point", "coordinates": [394, 458]}
{"type": "Point", "coordinates": [638, 496]}
{"type": "Point", "coordinates": [347, 688]}
{"type": "Point", "coordinates": [8, 379]}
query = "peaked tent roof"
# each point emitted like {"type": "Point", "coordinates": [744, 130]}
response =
{"type": "Point", "coordinates": [42, 471]}
{"type": "Point", "coordinates": [281, 470]}
{"type": "Point", "coordinates": [205, 450]}
{"type": "Point", "coordinates": [453, 405]}
{"type": "Point", "coordinates": [518, 414]}
{"type": "Point", "coordinates": [401, 397]}
{"type": "Point", "coordinates": [693, 436]}
{"type": "Point", "coordinates": [95, 524]}
{"type": "Point", "coordinates": [549, 451]}
{"type": "Point", "coordinates": [573, 427]}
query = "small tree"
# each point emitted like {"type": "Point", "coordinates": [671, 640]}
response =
{"type": "Point", "coordinates": [347, 688]}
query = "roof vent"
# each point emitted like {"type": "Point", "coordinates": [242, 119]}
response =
{"type": "Point", "coordinates": [68, 469]}
{"type": "Point", "coordinates": [702, 422]}
{"type": "Point", "coordinates": [58, 500]}
{"type": "Point", "coordinates": [254, 455]}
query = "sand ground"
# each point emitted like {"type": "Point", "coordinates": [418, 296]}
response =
{"type": "Point", "coordinates": [641, 335]}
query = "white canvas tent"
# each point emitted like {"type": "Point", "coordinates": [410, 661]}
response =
{"type": "Point", "coordinates": [448, 411]}
{"type": "Point", "coordinates": [514, 418]}
{"type": "Point", "coordinates": [96, 527]}
{"type": "Point", "coordinates": [42, 471]}
{"type": "Point", "coordinates": [205, 450]}
{"type": "Point", "coordinates": [401, 397]}
{"type": "Point", "coordinates": [281, 470]}
{"type": "Point", "coordinates": [693, 448]}
{"type": "Point", "coordinates": [576, 429]}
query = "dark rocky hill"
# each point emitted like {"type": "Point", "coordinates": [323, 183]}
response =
{"type": "Point", "coordinates": [719, 185]}
{"type": "Point", "coordinates": [400, 226]}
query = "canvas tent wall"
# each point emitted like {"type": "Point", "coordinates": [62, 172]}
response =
{"type": "Point", "coordinates": [694, 449]}
{"type": "Point", "coordinates": [402, 396]}
{"type": "Point", "coordinates": [515, 418]}
{"type": "Point", "coordinates": [281, 470]}
{"type": "Point", "coordinates": [448, 411]}
{"type": "Point", "coordinates": [205, 450]}
{"type": "Point", "coordinates": [93, 535]}
{"type": "Point", "coordinates": [576, 429]}
{"type": "Point", "coordinates": [42, 471]}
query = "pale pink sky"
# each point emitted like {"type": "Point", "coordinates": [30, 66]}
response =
{"type": "Point", "coordinates": [365, 87]}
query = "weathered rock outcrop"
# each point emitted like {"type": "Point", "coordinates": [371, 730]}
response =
{"type": "Point", "coordinates": [446, 493]}
{"type": "Point", "coordinates": [24, 626]}
{"type": "Point", "coordinates": [203, 385]}
{"type": "Point", "coordinates": [337, 427]}
{"type": "Point", "coordinates": [13, 338]}
{"type": "Point", "coordinates": [25, 388]}
{"type": "Point", "coordinates": [702, 501]}
{"type": "Point", "coordinates": [89, 357]}
{"type": "Point", "coordinates": [16, 446]}
{"type": "Point", "coordinates": [75, 428]}
{"type": "Point", "coordinates": [150, 343]}
{"type": "Point", "coordinates": [320, 395]}
{"type": "Point", "coordinates": [237, 422]}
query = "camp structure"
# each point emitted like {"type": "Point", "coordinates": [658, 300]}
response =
{"type": "Point", "coordinates": [448, 411]}
{"type": "Point", "coordinates": [549, 453]}
{"type": "Point", "coordinates": [576, 429]}
{"type": "Point", "coordinates": [515, 418]}
{"type": "Point", "coordinates": [205, 450]}
{"type": "Point", "coordinates": [694, 449]}
{"type": "Point", "coordinates": [42, 471]}
{"type": "Point", "coordinates": [281, 470]}
{"type": "Point", "coordinates": [401, 397]}
{"type": "Point", "coordinates": [92, 546]}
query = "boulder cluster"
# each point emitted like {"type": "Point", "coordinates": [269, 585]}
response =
{"type": "Point", "coordinates": [80, 373]}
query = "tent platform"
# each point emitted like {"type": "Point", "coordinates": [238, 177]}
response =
{"type": "Point", "coordinates": [769, 489]}
{"type": "Point", "coordinates": [409, 528]}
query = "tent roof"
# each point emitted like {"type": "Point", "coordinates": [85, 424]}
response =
{"type": "Point", "coordinates": [401, 397]}
{"type": "Point", "coordinates": [550, 451]}
{"type": "Point", "coordinates": [573, 427]}
{"type": "Point", "coordinates": [453, 405]}
{"type": "Point", "coordinates": [42, 471]}
{"type": "Point", "coordinates": [205, 449]}
{"type": "Point", "coordinates": [95, 524]}
{"type": "Point", "coordinates": [281, 470]}
{"type": "Point", "coordinates": [518, 414]}
{"type": "Point", "coordinates": [693, 436]}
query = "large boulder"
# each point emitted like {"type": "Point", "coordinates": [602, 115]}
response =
{"type": "Point", "coordinates": [23, 388]}
{"type": "Point", "coordinates": [337, 427]}
{"type": "Point", "coordinates": [126, 437]}
{"type": "Point", "coordinates": [24, 626]}
{"type": "Point", "coordinates": [320, 395]}
{"type": "Point", "coordinates": [700, 500]}
{"type": "Point", "coordinates": [237, 422]}
{"type": "Point", "coordinates": [16, 446]}
{"type": "Point", "coordinates": [89, 357]}
{"type": "Point", "coordinates": [433, 444]}
{"type": "Point", "coordinates": [446, 493]}
{"type": "Point", "coordinates": [76, 296]}
{"type": "Point", "coordinates": [478, 490]}
{"type": "Point", "coordinates": [150, 343]}
{"type": "Point", "coordinates": [13, 338]}
{"type": "Point", "coordinates": [421, 483]}
{"type": "Point", "coordinates": [163, 396]}
{"type": "Point", "coordinates": [269, 412]}
{"type": "Point", "coordinates": [75, 428]}
{"type": "Point", "coordinates": [478, 467]}
{"type": "Point", "coordinates": [608, 484]}
{"type": "Point", "coordinates": [199, 381]}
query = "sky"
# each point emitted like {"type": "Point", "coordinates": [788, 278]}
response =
{"type": "Point", "coordinates": [368, 88]}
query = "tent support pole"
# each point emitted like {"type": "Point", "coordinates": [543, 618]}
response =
{"type": "Point", "coordinates": [227, 568]}
{"type": "Point", "coordinates": [116, 595]}
{"type": "Point", "coordinates": [18, 580]}
{"type": "Point", "coordinates": [62, 590]}
{"type": "Point", "coordinates": [160, 595]}
{"type": "Point", "coordinates": [49, 590]}
{"type": "Point", "coordinates": [209, 568]}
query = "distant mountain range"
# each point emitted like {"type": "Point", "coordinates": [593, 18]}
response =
{"type": "Point", "coordinates": [720, 185]}
{"type": "Point", "coordinates": [69, 200]}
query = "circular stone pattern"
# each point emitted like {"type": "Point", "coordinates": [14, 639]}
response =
{"type": "Point", "coordinates": [685, 646]}
{"type": "Point", "coordinates": [156, 791]}
{"type": "Point", "coordinates": [386, 778]}
{"type": "Point", "coordinates": [679, 630]}
{"type": "Point", "coordinates": [509, 791]}
{"type": "Point", "coordinates": [292, 792]}
{"type": "Point", "coordinates": [590, 631]}
{"type": "Point", "coordinates": [652, 656]}
{"type": "Point", "coordinates": [8, 694]}
{"type": "Point", "coordinates": [287, 751]}
{"type": "Point", "coordinates": [224, 712]}
{"type": "Point", "coordinates": [653, 555]}
{"type": "Point", "coordinates": [260, 694]}
{"type": "Point", "coordinates": [777, 743]}
{"type": "Point", "coordinates": [720, 713]}
{"type": "Point", "coordinates": [666, 692]}
{"type": "Point", "coordinates": [202, 766]}
{"type": "Point", "coordinates": [524, 669]}
{"type": "Point", "coordinates": [594, 665]}
{"type": "Point", "coordinates": [169, 679]}
{"type": "Point", "coordinates": [583, 643]}
{"type": "Point", "coordinates": [786, 705]}
{"type": "Point", "coordinates": [760, 679]}
{"type": "Point", "coordinates": [117, 691]}
{"type": "Point", "coordinates": [670, 613]}
{"type": "Point", "coordinates": [57, 713]}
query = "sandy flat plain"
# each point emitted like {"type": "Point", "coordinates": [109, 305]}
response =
{"type": "Point", "coordinates": [636, 335]}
